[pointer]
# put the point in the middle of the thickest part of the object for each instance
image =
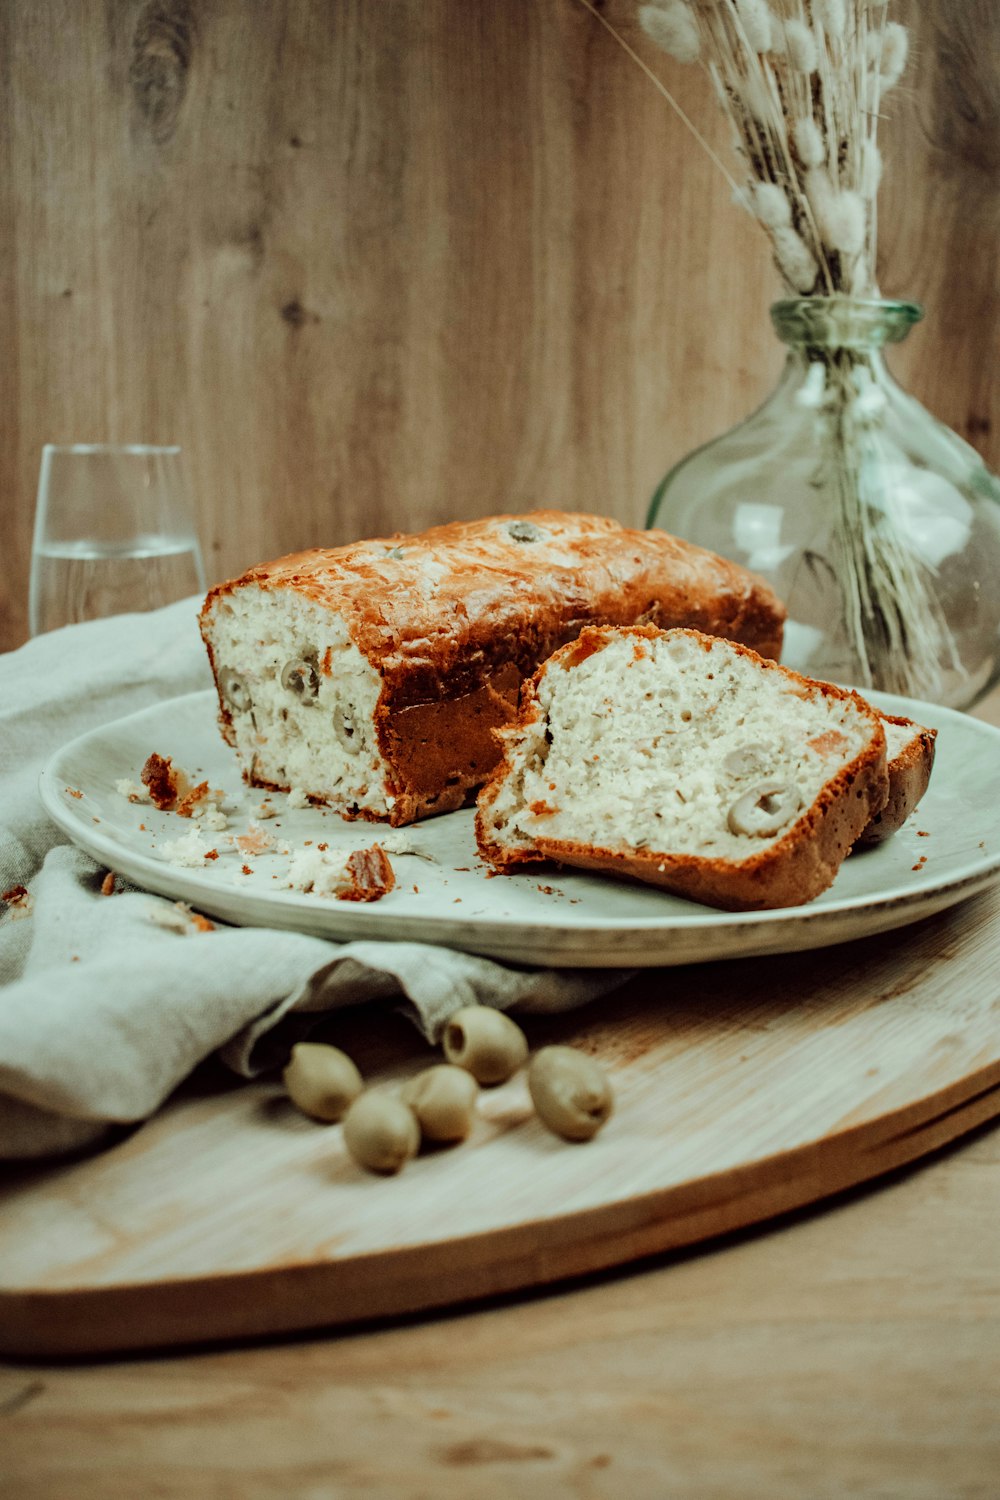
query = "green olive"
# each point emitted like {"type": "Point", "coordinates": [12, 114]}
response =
{"type": "Point", "coordinates": [443, 1098]}
{"type": "Point", "coordinates": [234, 690]}
{"type": "Point", "coordinates": [764, 809]}
{"type": "Point", "coordinates": [322, 1081]}
{"type": "Point", "coordinates": [484, 1042]}
{"type": "Point", "coordinates": [570, 1092]}
{"type": "Point", "coordinates": [381, 1132]}
{"type": "Point", "coordinates": [301, 677]}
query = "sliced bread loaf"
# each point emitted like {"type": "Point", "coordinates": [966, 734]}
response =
{"type": "Point", "coordinates": [910, 761]}
{"type": "Point", "coordinates": [687, 762]}
{"type": "Point", "coordinates": [371, 677]}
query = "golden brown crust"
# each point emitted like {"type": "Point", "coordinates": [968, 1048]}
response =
{"type": "Point", "coordinates": [909, 776]}
{"type": "Point", "coordinates": [493, 595]}
{"type": "Point", "coordinates": [789, 872]}
{"type": "Point", "coordinates": [440, 751]}
{"type": "Point", "coordinates": [458, 615]}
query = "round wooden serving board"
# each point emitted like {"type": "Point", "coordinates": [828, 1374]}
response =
{"type": "Point", "coordinates": [743, 1089]}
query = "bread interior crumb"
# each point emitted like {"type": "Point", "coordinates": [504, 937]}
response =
{"type": "Point", "coordinates": [648, 744]}
{"type": "Point", "coordinates": [318, 739]}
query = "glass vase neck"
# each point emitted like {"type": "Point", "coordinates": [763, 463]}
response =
{"type": "Point", "coordinates": [843, 322]}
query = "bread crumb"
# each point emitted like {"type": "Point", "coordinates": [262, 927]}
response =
{"type": "Point", "coordinates": [164, 782]}
{"type": "Point", "coordinates": [254, 841]}
{"type": "Point", "coordinates": [397, 842]}
{"type": "Point", "coordinates": [173, 790]}
{"type": "Point", "coordinates": [108, 884]}
{"type": "Point", "coordinates": [132, 791]}
{"type": "Point", "coordinates": [180, 918]}
{"type": "Point", "coordinates": [318, 873]}
{"type": "Point", "coordinates": [74, 791]}
{"type": "Point", "coordinates": [363, 875]}
{"type": "Point", "coordinates": [297, 797]}
{"type": "Point", "coordinates": [19, 901]}
{"type": "Point", "coordinates": [267, 810]}
{"type": "Point", "coordinates": [213, 818]}
{"type": "Point", "coordinates": [189, 851]}
{"type": "Point", "coordinates": [193, 803]}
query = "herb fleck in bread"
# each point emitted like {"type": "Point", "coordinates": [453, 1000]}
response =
{"type": "Point", "coordinates": [687, 762]}
{"type": "Point", "coordinates": [371, 678]}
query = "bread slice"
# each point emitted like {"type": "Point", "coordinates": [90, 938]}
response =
{"type": "Point", "coordinates": [371, 677]}
{"type": "Point", "coordinates": [910, 760]}
{"type": "Point", "coordinates": [687, 762]}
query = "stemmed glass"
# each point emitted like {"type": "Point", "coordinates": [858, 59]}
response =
{"type": "Point", "coordinates": [113, 533]}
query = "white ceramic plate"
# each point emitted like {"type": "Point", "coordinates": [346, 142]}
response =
{"type": "Point", "coordinates": [949, 850]}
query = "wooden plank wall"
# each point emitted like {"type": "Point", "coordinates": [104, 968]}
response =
{"type": "Point", "coordinates": [378, 263]}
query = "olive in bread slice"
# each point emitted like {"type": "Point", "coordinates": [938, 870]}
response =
{"type": "Point", "coordinates": [687, 762]}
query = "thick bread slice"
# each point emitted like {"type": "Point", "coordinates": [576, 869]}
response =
{"type": "Point", "coordinates": [371, 677]}
{"type": "Point", "coordinates": [686, 762]}
{"type": "Point", "coordinates": [910, 760]}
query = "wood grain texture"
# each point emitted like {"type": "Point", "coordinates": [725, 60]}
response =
{"type": "Point", "coordinates": [850, 1352]}
{"type": "Point", "coordinates": [233, 1216]}
{"type": "Point", "coordinates": [376, 266]}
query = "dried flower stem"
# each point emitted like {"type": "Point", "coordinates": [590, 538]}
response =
{"type": "Point", "coordinates": [802, 83]}
{"type": "Point", "coordinates": [662, 89]}
{"type": "Point", "coordinates": [896, 631]}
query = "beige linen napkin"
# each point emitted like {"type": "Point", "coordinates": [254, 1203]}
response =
{"type": "Point", "coordinates": [107, 1005]}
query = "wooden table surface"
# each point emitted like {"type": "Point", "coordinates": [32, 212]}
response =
{"type": "Point", "coordinates": [850, 1350]}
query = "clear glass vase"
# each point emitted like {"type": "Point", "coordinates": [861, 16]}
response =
{"type": "Point", "coordinates": [877, 525]}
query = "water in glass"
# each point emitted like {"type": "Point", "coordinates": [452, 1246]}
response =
{"type": "Point", "coordinates": [113, 534]}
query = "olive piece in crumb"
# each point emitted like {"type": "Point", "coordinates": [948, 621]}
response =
{"type": "Point", "coordinates": [381, 1132]}
{"type": "Point", "coordinates": [570, 1092]}
{"type": "Point", "coordinates": [322, 1081]}
{"type": "Point", "coordinates": [525, 531]}
{"type": "Point", "coordinates": [764, 809]}
{"type": "Point", "coordinates": [234, 690]}
{"type": "Point", "coordinates": [301, 677]}
{"type": "Point", "coordinates": [443, 1098]}
{"type": "Point", "coordinates": [343, 728]}
{"type": "Point", "coordinates": [484, 1042]}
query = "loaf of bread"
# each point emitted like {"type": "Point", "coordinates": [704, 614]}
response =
{"type": "Point", "coordinates": [687, 762]}
{"type": "Point", "coordinates": [371, 678]}
{"type": "Point", "coordinates": [910, 759]}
